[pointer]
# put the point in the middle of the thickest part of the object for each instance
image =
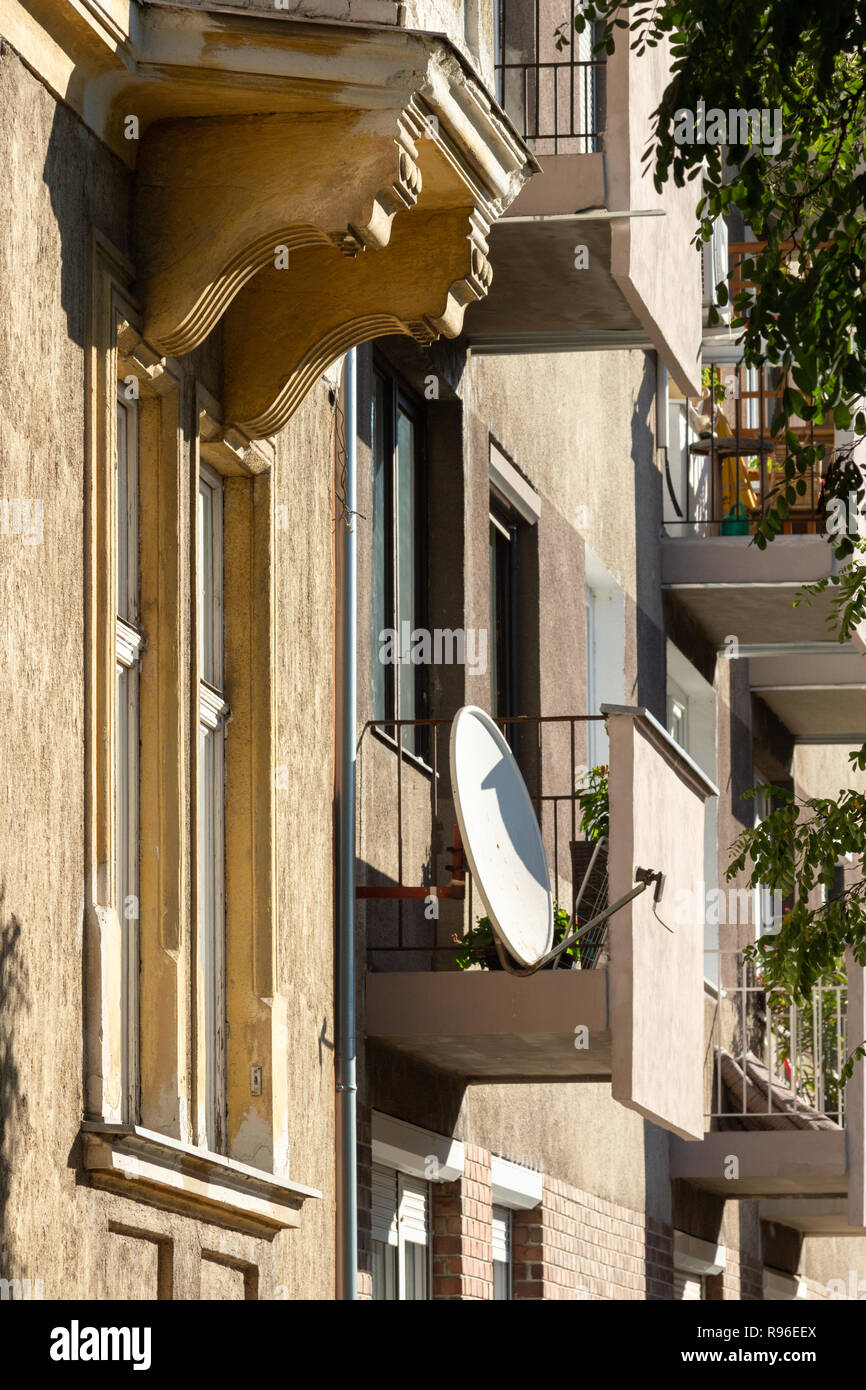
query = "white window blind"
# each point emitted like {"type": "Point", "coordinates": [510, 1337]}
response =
{"type": "Point", "coordinates": [688, 1288]}
{"type": "Point", "coordinates": [384, 1204]}
{"type": "Point", "coordinates": [400, 1232]}
{"type": "Point", "coordinates": [413, 1209]}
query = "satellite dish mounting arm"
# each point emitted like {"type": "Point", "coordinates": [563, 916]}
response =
{"type": "Point", "coordinates": [643, 877]}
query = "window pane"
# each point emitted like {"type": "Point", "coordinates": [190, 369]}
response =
{"type": "Point", "coordinates": [384, 1271]}
{"type": "Point", "coordinates": [210, 946]}
{"type": "Point", "coordinates": [416, 1271]}
{"type": "Point", "coordinates": [211, 808]}
{"type": "Point", "coordinates": [206, 582]}
{"type": "Point", "coordinates": [503, 679]}
{"type": "Point", "coordinates": [381, 616]}
{"type": "Point", "coordinates": [501, 1252]}
{"type": "Point", "coordinates": [122, 512]}
{"type": "Point", "coordinates": [407, 560]}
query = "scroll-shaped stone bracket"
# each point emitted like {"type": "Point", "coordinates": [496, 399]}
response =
{"type": "Point", "coordinates": [218, 199]}
{"type": "Point", "coordinates": [286, 327]}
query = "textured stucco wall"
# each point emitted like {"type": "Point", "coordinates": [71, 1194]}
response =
{"type": "Point", "coordinates": [57, 183]}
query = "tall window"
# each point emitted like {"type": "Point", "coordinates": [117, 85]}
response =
{"type": "Point", "coordinates": [503, 606]}
{"type": "Point", "coordinates": [212, 713]}
{"type": "Point", "coordinates": [399, 598]}
{"type": "Point", "coordinates": [128, 644]}
{"type": "Point", "coordinates": [501, 1253]}
{"type": "Point", "coordinates": [401, 1240]}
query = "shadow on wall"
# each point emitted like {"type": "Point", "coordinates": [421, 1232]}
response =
{"type": "Point", "coordinates": [13, 1000]}
{"type": "Point", "coordinates": [649, 620]}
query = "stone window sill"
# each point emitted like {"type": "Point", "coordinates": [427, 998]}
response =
{"type": "Point", "coordinates": [166, 1173]}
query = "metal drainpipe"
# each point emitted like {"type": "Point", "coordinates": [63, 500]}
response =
{"type": "Point", "coordinates": [347, 1177]}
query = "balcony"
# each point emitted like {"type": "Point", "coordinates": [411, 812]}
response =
{"type": "Point", "coordinates": [723, 469]}
{"type": "Point", "coordinates": [630, 1013]}
{"type": "Point", "coordinates": [587, 254]}
{"type": "Point", "coordinates": [780, 1127]}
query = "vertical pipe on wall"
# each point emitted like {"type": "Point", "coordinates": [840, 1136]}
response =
{"type": "Point", "coordinates": [347, 1174]}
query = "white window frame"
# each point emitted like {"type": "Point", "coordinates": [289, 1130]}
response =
{"type": "Point", "coordinates": [678, 715]}
{"type": "Point", "coordinates": [503, 1265]}
{"type": "Point", "coordinates": [213, 714]}
{"type": "Point", "coordinates": [401, 1234]}
{"type": "Point", "coordinates": [128, 645]}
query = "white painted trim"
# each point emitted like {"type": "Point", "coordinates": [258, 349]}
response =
{"type": "Point", "coordinates": [128, 643]}
{"type": "Point", "coordinates": [515, 1186]}
{"type": "Point", "coordinates": [515, 489]}
{"type": "Point", "coordinates": [418, 1152]}
{"type": "Point", "coordinates": [694, 1256]}
{"type": "Point", "coordinates": [211, 706]}
{"type": "Point", "coordinates": [707, 787]}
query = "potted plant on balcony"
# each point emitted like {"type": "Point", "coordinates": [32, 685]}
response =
{"type": "Point", "coordinates": [593, 799]}
{"type": "Point", "coordinates": [589, 859]}
{"type": "Point", "coordinates": [478, 947]}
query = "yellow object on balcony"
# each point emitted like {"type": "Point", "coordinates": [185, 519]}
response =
{"type": "Point", "coordinates": [736, 479]}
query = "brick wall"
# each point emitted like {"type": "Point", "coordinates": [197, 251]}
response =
{"type": "Point", "coordinates": [576, 1245]}
{"type": "Point", "coordinates": [573, 1246]}
{"type": "Point", "coordinates": [462, 1231]}
{"type": "Point", "coordinates": [742, 1279]}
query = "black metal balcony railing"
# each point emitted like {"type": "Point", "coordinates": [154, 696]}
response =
{"type": "Point", "coordinates": [402, 859]}
{"type": "Point", "coordinates": [557, 102]}
{"type": "Point", "coordinates": [776, 1065]}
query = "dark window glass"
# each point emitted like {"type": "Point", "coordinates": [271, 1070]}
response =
{"type": "Point", "coordinates": [503, 594]}
{"type": "Point", "coordinates": [399, 582]}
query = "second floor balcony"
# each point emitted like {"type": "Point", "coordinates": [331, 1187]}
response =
{"type": "Point", "coordinates": [724, 470]}
{"type": "Point", "coordinates": [586, 257]}
{"type": "Point", "coordinates": [628, 1007]}
{"type": "Point", "coordinates": [781, 1125]}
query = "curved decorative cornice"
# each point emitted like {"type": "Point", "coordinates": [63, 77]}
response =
{"type": "Point", "coordinates": [206, 188]}
{"type": "Point", "coordinates": [284, 330]}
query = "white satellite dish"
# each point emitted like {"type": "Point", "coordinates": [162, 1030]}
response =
{"type": "Point", "coordinates": [501, 837]}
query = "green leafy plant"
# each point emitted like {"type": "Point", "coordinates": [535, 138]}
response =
{"type": "Point", "coordinates": [794, 850]}
{"type": "Point", "coordinates": [800, 309]}
{"type": "Point", "coordinates": [807, 1041]}
{"type": "Point", "coordinates": [711, 381]}
{"type": "Point", "coordinates": [478, 944]}
{"type": "Point", "coordinates": [593, 799]}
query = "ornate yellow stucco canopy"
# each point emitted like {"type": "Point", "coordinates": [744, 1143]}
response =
{"type": "Point", "coordinates": [313, 185]}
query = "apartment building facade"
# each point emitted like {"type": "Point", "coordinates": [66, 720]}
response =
{"type": "Point", "coordinates": [207, 208]}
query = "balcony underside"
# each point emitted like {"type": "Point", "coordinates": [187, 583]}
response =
{"type": "Point", "coordinates": [820, 714]}
{"type": "Point", "coordinates": [815, 686]}
{"type": "Point", "coordinates": [539, 299]}
{"type": "Point", "coordinates": [754, 612]}
{"type": "Point", "coordinates": [777, 1163]}
{"type": "Point", "coordinates": [492, 1026]}
{"type": "Point", "coordinates": [814, 1216]}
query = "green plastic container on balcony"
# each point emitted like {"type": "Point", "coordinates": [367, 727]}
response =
{"type": "Point", "coordinates": [736, 522]}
